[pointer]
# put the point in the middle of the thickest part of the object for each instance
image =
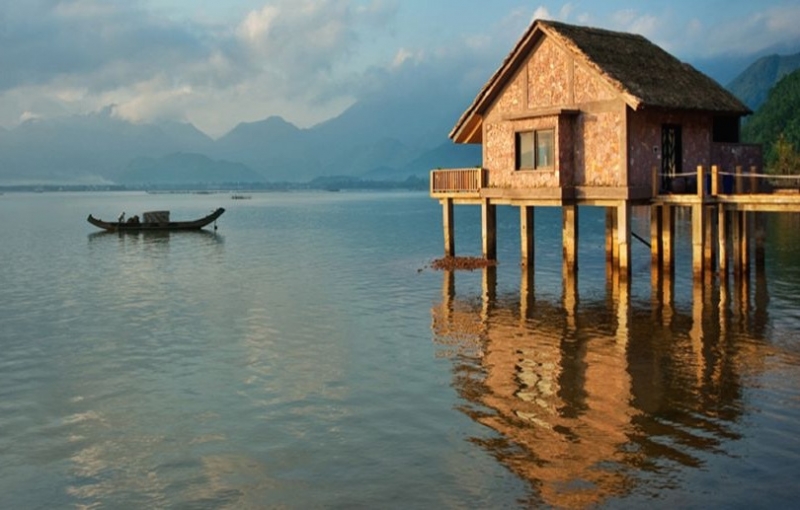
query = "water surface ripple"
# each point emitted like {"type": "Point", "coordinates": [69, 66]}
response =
{"type": "Point", "coordinates": [305, 355]}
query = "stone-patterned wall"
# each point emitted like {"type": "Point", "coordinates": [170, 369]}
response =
{"type": "Point", "coordinates": [599, 140]}
{"type": "Point", "coordinates": [589, 146]}
{"type": "Point", "coordinates": [500, 154]}
{"type": "Point", "coordinates": [548, 76]}
{"type": "Point", "coordinates": [644, 151]}
{"type": "Point", "coordinates": [730, 155]}
{"type": "Point", "coordinates": [588, 87]}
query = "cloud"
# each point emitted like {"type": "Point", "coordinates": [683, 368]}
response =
{"type": "Point", "coordinates": [304, 40]}
{"type": "Point", "coordinates": [739, 33]}
{"type": "Point", "coordinates": [542, 12]}
{"type": "Point", "coordinates": [774, 27]}
{"type": "Point", "coordinates": [86, 54]}
{"type": "Point", "coordinates": [303, 59]}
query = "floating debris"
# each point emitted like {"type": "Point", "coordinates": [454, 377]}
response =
{"type": "Point", "coordinates": [467, 263]}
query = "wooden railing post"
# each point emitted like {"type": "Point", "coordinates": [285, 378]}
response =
{"type": "Point", "coordinates": [701, 181]}
{"type": "Point", "coordinates": [714, 180]}
{"type": "Point", "coordinates": [753, 179]}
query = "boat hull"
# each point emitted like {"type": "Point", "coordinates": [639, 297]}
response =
{"type": "Point", "coordinates": [113, 226]}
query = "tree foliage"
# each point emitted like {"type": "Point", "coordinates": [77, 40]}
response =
{"type": "Point", "coordinates": [776, 125]}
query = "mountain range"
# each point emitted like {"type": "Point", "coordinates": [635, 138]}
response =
{"type": "Point", "coordinates": [753, 85]}
{"type": "Point", "coordinates": [391, 135]}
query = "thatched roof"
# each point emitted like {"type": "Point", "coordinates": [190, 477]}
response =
{"type": "Point", "coordinates": [645, 75]}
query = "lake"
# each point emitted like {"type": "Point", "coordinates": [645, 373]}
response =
{"type": "Point", "coordinates": [305, 355]}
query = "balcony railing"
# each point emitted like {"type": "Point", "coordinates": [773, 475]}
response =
{"type": "Point", "coordinates": [457, 180]}
{"type": "Point", "coordinates": [720, 182]}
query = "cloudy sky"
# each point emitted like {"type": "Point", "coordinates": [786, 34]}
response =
{"type": "Point", "coordinates": [216, 63]}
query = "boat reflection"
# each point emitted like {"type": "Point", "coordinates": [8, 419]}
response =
{"type": "Point", "coordinates": [594, 398]}
{"type": "Point", "coordinates": [156, 236]}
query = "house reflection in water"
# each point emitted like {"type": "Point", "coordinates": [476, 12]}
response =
{"type": "Point", "coordinates": [593, 399]}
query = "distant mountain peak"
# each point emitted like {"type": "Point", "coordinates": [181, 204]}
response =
{"type": "Point", "coordinates": [752, 86]}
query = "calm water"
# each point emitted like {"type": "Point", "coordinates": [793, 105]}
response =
{"type": "Point", "coordinates": [306, 356]}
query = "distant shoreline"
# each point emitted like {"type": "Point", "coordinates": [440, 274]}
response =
{"type": "Point", "coordinates": [324, 184]}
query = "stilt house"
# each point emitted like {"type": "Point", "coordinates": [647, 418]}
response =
{"type": "Point", "coordinates": [585, 116]}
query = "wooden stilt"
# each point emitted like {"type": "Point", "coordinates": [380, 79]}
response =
{"type": "Point", "coordinates": [489, 229]}
{"type": "Point", "coordinates": [612, 248]}
{"type": "Point", "coordinates": [656, 250]}
{"type": "Point", "coordinates": [709, 262]}
{"type": "Point", "coordinates": [736, 241]}
{"type": "Point", "coordinates": [526, 230]}
{"type": "Point", "coordinates": [624, 239]}
{"type": "Point", "coordinates": [722, 240]}
{"type": "Point", "coordinates": [623, 303]}
{"type": "Point", "coordinates": [569, 236]}
{"type": "Point", "coordinates": [615, 238]}
{"type": "Point", "coordinates": [698, 238]}
{"type": "Point", "coordinates": [570, 300]}
{"type": "Point", "coordinates": [668, 238]}
{"type": "Point", "coordinates": [449, 227]}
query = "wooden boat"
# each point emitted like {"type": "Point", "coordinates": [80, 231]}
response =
{"type": "Point", "coordinates": [155, 221]}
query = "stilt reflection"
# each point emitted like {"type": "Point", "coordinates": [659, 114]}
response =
{"type": "Point", "coordinates": [593, 398]}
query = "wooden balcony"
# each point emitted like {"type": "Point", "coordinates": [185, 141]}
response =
{"type": "Point", "coordinates": [461, 182]}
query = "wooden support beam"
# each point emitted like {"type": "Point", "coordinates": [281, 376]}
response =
{"type": "Point", "coordinates": [569, 237]}
{"type": "Point", "coordinates": [489, 229]}
{"type": "Point", "coordinates": [612, 246]}
{"type": "Point", "coordinates": [722, 240]}
{"type": "Point", "coordinates": [668, 238]}
{"type": "Point", "coordinates": [624, 239]}
{"type": "Point", "coordinates": [448, 224]}
{"type": "Point", "coordinates": [570, 300]}
{"type": "Point", "coordinates": [698, 238]}
{"type": "Point", "coordinates": [709, 261]}
{"type": "Point", "coordinates": [715, 188]}
{"type": "Point", "coordinates": [701, 181]}
{"type": "Point", "coordinates": [526, 230]}
{"type": "Point", "coordinates": [656, 250]}
{"type": "Point", "coordinates": [736, 240]}
{"type": "Point", "coordinates": [610, 234]}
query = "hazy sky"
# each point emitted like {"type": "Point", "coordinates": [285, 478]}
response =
{"type": "Point", "coordinates": [216, 63]}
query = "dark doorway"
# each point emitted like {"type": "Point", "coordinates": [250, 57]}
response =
{"type": "Point", "coordinates": [671, 156]}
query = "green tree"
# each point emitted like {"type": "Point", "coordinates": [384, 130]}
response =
{"type": "Point", "coordinates": [785, 158]}
{"type": "Point", "coordinates": [776, 125]}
